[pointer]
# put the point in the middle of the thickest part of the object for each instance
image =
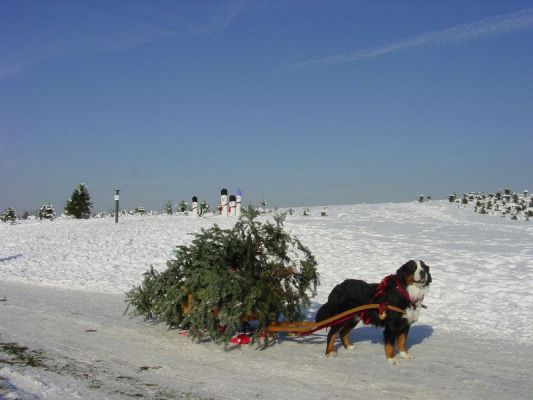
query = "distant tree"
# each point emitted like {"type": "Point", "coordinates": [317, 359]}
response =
{"type": "Point", "coordinates": [47, 212]}
{"type": "Point", "coordinates": [204, 207]}
{"type": "Point", "coordinates": [182, 206]}
{"type": "Point", "coordinates": [79, 205]}
{"type": "Point", "coordinates": [168, 207]}
{"type": "Point", "coordinates": [9, 215]}
{"type": "Point", "coordinates": [139, 211]}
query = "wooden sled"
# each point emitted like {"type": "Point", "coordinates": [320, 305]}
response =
{"type": "Point", "coordinates": [307, 327]}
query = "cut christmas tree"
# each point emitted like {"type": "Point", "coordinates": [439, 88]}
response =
{"type": "Point", "coordinates": [227, 277]}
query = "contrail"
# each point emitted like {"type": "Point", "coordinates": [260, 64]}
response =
{"type": "Point", "coordinates": [493, 26]}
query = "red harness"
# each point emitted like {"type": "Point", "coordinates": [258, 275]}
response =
{"type": "Point", "coordinates": [380, 290]}
{"type": "Point", "coordinates": [405, 294]}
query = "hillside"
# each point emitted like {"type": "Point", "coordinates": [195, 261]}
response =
{"type": "Point", "coordinates": [63, 283]}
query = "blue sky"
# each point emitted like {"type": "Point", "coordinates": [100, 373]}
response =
{"type": "Point", "coordinates": [301, 102]}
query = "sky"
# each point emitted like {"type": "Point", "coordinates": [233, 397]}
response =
{"type": "Point", "coordinates": [296, 102]}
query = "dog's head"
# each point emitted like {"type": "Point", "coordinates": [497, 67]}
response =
{"type": "Point", "coordinates": [414, 272]}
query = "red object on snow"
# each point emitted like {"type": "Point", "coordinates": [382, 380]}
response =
{"type": "Point", "coordinates": [241, 339]}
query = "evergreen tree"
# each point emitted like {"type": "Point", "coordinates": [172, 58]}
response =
{"type": "Point", "coordinates": [47, 212]}
{"type": "Point", "coordinates": [225, 276]}
{"type": "Point", "coordinates": [182, 206]}
{"type": "Point", "coordinates": [203, 208]}
{"type": "Point", "coordinates": [9, 215]}
{"type": "Point", "coordinates": [168, 208]}
{"type": "Point", "coordinates": [139, 211]}
{"type": "Point", "coordinates": [79, 205]}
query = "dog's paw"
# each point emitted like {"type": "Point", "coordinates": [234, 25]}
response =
{"type": "Point", "coordinates": [392, 361]}
{"type": "Point", "coordinates": [333, 354]}
{"type": "Point", "coordinates": [405, 355]}
{"type": "Point", "coordinates": [350, 347]}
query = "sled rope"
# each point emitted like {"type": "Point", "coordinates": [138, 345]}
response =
{"type": "Point", "coordinates": [308, 327]}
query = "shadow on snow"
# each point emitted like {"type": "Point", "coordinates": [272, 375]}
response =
{"type": "Point", "coordinates": [10, 258]}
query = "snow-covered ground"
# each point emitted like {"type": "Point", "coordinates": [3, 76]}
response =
{"type": "Point", "coordinates": [62, 287]}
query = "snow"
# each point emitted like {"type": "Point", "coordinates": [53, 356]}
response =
{"type": "Point", "coordinates": [62, 287]}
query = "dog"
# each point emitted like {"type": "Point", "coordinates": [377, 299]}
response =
{"type": "Point", "coordinates": [405, 290]}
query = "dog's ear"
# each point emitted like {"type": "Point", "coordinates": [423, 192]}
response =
{"type": "Point", "coordinates": [407, 269]}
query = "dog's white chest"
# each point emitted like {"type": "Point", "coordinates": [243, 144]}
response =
{"type": "Point", "coordinates": [417, 296]}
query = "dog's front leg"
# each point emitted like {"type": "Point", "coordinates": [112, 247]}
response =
{"type": "Point", "coordinates": [402, 344]}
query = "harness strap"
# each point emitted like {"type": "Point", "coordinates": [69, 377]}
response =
{"type": "Point", "coordinates": [365, 315]}
{"type": "Point", "coordinates": [405, 294]}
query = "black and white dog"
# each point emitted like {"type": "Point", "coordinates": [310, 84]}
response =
{"type": "Point", "coordinates": [405, 290]}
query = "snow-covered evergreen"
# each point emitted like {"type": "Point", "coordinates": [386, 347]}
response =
{"type": "Point", "coordinates": [182, 206]}
{"type": "Point", "coordinates": [514, 205]}
{"type": "Point", "coordinates": [203, 208]}
{"type": "Point", "coordinates": [9, 215]}
{"type": "Point", "coordinates": [168, 208]}
{"type": "Point", "coordinates": [47, 212]}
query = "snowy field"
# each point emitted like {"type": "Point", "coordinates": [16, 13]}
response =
{"type": "Point", "coordinates": [62, 287]}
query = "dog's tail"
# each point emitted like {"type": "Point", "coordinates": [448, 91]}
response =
{"type": "Point", "coordinates": [327, 310]}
